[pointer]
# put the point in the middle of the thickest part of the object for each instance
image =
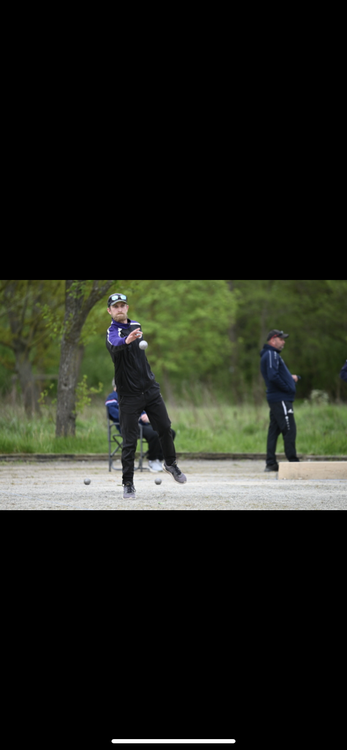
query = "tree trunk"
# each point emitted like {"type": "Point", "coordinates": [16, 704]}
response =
{"type": "Point", "coordinates": [67, 382]}
{"type": "Point", "coordinates": [69, 361]}
{"type": "Point", "coordinates": [77, 307]}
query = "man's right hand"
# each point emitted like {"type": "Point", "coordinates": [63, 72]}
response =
{"type": "Point", "coordinates": [136, 334]}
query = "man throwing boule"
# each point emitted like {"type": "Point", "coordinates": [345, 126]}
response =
{"type": "Point", "coordinates": [138, 391]}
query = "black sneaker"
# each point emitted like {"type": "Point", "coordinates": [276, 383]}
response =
{"type": "Point", "coordinates": [129, 491]}
{"type": "Point", "coordinates": [272, 467]}
{"type": "Point", "coordinates": [175, 472]}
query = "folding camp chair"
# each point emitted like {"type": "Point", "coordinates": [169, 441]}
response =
{"type": "Point", "coordinates": [115, 438]}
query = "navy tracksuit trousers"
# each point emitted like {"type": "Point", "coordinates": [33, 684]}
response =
{"type": "Point", "coordinates": [281, 421]}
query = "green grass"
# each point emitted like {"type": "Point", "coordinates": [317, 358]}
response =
{"type": "Point", "coordinates": [321, 430]}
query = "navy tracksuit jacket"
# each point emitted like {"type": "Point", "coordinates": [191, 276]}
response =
{"type": "Point", "coordinates": [280, 385]}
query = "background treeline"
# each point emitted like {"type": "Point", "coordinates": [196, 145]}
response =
{"type": "Point", "coordinates": [204, 336]}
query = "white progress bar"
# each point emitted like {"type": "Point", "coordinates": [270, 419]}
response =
{"type": "Point", "coordinates": [172, 742]}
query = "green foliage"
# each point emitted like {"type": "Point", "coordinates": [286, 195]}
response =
{"type": "Point", "coordinates": [79, 289]}
{"type": "Point", "coordinates": [200, 333]}
{"type": "Point", "coordinates": [53, 322]}
{"type": "Point", "coordinates": [186, 324]}
{"type": "Point", "coordinates": [211, 333]}
{"type": "Point", "coordinates": [31, 314]}
{"type": "Point", "coordinates": [46, 402]}
{"type": "Point", "coordinates": [319, 397]}
{"type": "Point", "coordinates": [314, 313]}
{"type": "Point", "coordinates": [84, 393]}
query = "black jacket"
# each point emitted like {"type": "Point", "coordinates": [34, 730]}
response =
{"type": "Point", "coordinates": [132, 373]}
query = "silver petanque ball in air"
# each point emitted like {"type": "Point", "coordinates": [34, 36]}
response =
{"type": "Point", "coordinates": [143, 344]}
{"type": "Point", "coordinates": [87, 481]}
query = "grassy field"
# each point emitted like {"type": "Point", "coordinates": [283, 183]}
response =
{"type": "Point", "coordinates": [321, 430]}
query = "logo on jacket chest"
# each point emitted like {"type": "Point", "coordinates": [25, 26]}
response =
{"type": "Point", "coordinates": [122, 333]}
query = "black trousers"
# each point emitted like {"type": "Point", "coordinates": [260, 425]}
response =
{"type": "Point", "coordinates": [130, 408]}
{"type": "Point", "coordinates": [281, 421]}
{"type": "Point", "coordinates": [155, 450]}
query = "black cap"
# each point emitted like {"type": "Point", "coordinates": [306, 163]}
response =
{"type": "Point", "coordinates": [114, 298]}
{"type": "Point", "coordinates": [276, 332]}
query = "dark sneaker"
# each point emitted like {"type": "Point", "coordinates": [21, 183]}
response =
{"type": "Point", "coordinates": [129, 491]}
{"type": "Point", "coordinates": [175, 472]}
{"type": "Point", "coordinates": [273, 467]}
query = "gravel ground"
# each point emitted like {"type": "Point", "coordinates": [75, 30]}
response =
{"type": "Point", "coordinates": [211, 485]}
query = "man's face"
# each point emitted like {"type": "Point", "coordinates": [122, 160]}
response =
{"type": "Point", "coordinates": [277, 342]}
{"type": "Point", "coordinates": [119, 312]}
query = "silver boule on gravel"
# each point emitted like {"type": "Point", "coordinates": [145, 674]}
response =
{"type": "Point", "coordinates": [157, 480]}
{"type": "Point", "coordinates": [87, 481]}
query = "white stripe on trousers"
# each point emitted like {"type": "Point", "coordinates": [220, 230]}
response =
{"type": "Point", "coordinates": [286, 414]}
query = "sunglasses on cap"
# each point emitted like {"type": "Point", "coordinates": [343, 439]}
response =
{"type": "Point", "coordinates": [116, 298]}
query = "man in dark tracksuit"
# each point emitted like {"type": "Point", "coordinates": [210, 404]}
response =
{"type": "Point", "coordinates": [280, 394]}
{"type": "Point", "coordinates": [138, 391]}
